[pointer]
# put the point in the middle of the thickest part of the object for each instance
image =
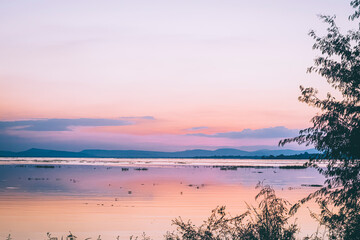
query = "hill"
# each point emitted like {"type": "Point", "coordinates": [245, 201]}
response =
{"type": "Point", "coordinates": [196, 153]}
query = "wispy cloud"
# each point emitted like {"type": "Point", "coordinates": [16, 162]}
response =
{"type": "Point", "coordinates": [196, 128]}
{"type": "Point", "coordinates": [58, 124]}
{"type": "Point", "coordinates": [137, 118]}
{"type": "Point", "coordinates": [272, 132]}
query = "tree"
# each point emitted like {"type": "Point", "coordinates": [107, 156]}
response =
{"type": "Point", "coordinates": [336, 129]}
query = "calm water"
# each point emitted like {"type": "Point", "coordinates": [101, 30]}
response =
{"type": "Point", "coordinates": [122, 197]}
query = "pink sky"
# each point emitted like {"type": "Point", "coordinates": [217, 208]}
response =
{"type": "Point", "coordinates": [223, 65]}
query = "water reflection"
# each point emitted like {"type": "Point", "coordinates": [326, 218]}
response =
{"type": "Point", "coordinates": [125, 200]}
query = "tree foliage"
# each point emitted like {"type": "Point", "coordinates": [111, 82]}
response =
{"type": "Point", "coordinates": [336, 129]}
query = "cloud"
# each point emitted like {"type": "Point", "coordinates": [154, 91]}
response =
{"type": "Point", "coordinates": [141, 117]}
{"type": "Point", "coordinates": [58, 124]}
{"type": "Point", "coordinates": [272, 132]}
{"type": "Point", "coordinates": [196, 128]}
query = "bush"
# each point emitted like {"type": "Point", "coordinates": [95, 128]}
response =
{"type": "Point", "coordinates": [268, 221]}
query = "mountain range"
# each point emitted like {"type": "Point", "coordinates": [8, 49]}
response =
{"type": "Point", "coordinates": [98, 153]}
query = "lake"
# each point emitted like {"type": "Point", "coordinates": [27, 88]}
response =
{"type": "Point", "coordinates": [124, 197]}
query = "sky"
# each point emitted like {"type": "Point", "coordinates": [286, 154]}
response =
{"type": "Point", "coordinates": [157, 75]}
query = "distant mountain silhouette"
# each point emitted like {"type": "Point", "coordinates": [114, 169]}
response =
{"type": "Point", "coordinates": [98, 153]}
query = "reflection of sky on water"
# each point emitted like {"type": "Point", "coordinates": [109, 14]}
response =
{"type": "Point", "coordinates": [124, 200]}
{"type": "Point", "coordinates": [104, 180]}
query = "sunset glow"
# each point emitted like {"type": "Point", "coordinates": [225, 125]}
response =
{"type": "Point", "coordinates": [224, 67]}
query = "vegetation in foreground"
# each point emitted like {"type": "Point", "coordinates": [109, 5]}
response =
{"type": "Point", "coordinates": [267, 221]}
{"type": "Point", "coordinates": [336, 129]}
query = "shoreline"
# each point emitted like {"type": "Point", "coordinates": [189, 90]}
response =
{"type": "Point", "coordinates": [156, 162]}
